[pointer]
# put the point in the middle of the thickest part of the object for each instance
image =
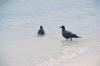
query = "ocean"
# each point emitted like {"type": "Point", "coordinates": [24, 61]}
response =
{"type": "Point", "coordinates": [21, 46]}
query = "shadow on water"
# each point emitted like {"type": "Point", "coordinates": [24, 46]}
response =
{"type": "Point", "coordinates": [40, 36]}
{"type": "Point", "coordinates": [70, 43]}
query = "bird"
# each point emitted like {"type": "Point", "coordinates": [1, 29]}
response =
{"type": "Point", "coordinates": [41, 31]}
{"type": "Point", "coordinates": [67, 34]}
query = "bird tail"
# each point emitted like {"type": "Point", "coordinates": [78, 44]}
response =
{"type": "Point", "coordinates": [78, 37]}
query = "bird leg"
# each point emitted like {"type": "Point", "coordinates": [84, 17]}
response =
{"type": "Point", "coordinates": [71, 39]}
{"type": "Point", "coordinates": [66, 39]}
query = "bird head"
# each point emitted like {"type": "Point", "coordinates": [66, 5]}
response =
{"type": "Point", "coordinates": [62, 27]}
{"type": "Point", "coordinates": [41, 26]}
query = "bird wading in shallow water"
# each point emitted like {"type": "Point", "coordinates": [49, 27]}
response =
{"type": "Point", "coordinates": [41, 31]}
{"type": "Point", "coordinates": [68, 34]}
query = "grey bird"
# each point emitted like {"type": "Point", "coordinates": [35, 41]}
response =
{"type": "Point", "coordinates": [41, 31]}
{"type": "Point", "coordinates": [68, 34]}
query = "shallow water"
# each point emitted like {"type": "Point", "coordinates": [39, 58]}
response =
{"type": "Point", "coordinates": [20, 20]}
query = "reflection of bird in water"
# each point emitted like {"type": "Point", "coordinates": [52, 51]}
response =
{"type": "Point", "coordinates": [68, 34]}
{"type": "Point", "coordinates": [41, 31]}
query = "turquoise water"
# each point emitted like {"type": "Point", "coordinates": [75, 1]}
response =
{"type": "Point", "coordinates": [20, 20]}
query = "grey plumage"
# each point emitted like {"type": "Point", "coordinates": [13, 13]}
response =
{"type": "Point", "coordinates": [41, 31]}
{"type": "Point", "coordinates": [68, 34]}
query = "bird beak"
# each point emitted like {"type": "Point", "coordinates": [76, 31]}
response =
{"type": "Point", "coordinates": [60, 27]}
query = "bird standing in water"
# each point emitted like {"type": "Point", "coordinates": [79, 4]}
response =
{"type": "Point", "coordinates": [68, 34]}
{"type": "Point", "coordinates": [41, 31]}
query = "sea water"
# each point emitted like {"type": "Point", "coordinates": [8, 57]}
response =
{"type": "Point", "coordinates": [19, 24]}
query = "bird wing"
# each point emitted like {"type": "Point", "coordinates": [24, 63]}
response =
{"type": "Point", "coordinates": [71, 34]}
{"type": "Point", "coordinates": [66, 34]}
